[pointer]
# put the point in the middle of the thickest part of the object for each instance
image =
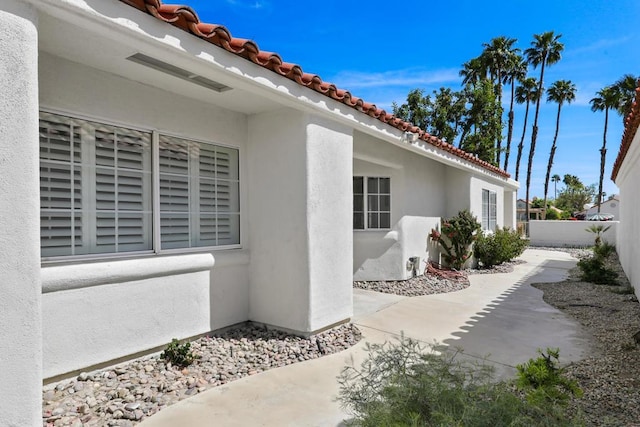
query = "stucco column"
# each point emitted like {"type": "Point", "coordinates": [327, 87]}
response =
{"type": "Point", "coordinates": [20, 293]}
{"type": "Point", "coordinates": [300, 220]}
{"type": "Point", "coordinates": [510, 209]}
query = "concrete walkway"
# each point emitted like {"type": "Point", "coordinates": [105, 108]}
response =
{"type": "Point", "coordinates": [499, 318]}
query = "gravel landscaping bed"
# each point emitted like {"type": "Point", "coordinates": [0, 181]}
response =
{"type": "Point", "coordinates": [609, 376]}
{"type": "Point", "coordinates": [429, 284]}
{"type": "Point", "coordinates": [126, 394]}
{"type": "Point", "coordinates": [426, 284]}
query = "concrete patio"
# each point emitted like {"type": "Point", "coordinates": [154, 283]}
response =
{"type": "Point", "coordinates": [500, 318]}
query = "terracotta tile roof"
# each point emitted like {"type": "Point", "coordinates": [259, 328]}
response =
{"type": "Point", "coordinates": [186, 19]}
{"type": "Point", "coordinates": [631, 125]}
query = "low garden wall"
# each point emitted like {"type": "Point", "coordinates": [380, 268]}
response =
{"type": "Point", "coordinates": [569, 233]}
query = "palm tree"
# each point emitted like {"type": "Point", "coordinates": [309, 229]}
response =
{"type": "Point", "coordinates": [496, 56]}
{"type": "Point", "coordinates": [625, 86]}
{"type": "Point", "coordinates": [526, 92]}
{"type": "Point", "coordinates": [516, 71]}
{"type": "Point", "coordinates": [473, 71]}
{"type": "Point", "coordinates": [545, 50]}
{"type": "Point", "coordinates": [560, 92]}
{"type": "Point", "coordinates": [555, 179]}
{"type": "Point", "coordinates": [606, 99]}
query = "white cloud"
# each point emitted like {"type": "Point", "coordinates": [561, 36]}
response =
{"type": "Point", "coordinates": [256, 4]}
{"type": "Point", "coordinates": [598, 45]}
{"type": "Point", "coordinates": [408, 77]}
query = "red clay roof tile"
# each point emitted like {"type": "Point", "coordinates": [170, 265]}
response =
{"type": "Point", "coordinates": [632, 123]}
{"type": "Point", "coordinates": [186, 19]}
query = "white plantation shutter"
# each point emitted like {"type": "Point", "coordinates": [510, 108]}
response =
{"type": "Point", "coordinates": [175, 227]}
{"type": "Point", "coordinates": [123, 190]}
{"type": "Point", "coordinates": [97, 177]}
{"type": "Point", "coordinates": [493, 211]}
{"type": "Point", "coordinates": [96, 185]}
{"type": "Point", "coordinates": [61, 229]}
{"type": "Point", "coordinates": [199, 194]}
{"type": "Point", "coordinates": [489, 210]}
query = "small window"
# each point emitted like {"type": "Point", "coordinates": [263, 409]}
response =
{"type": "Point", "coordinates": [489, 210]}
{"type": "Point", "coordinates": [371, 203]}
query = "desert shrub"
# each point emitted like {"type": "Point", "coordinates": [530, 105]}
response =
{"type": "Point", "coordinates": [456, 237]}
{"type": "Point", "coordinates": [604, 250]}
{"type": "Point", "coordinates": [178, 354]}
{"type": "Point", "coordinates": [593, 270]}
{"type": "Point", "coordinates": [543, 380]}
{"type": "Point", "coordinates": [501, 246]}
{"type": "Point", "coordinates": [402, 385]}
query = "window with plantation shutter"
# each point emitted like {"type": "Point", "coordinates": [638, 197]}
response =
{"type": "Point", "coordinates": [61, 227]}
{"type": "Point", "coordinates": [96, 184]}
{"type": "Point", "coordinates": [95, 188]}
{"type": "Point", "coordinates": [199, 194]}
{"type": "Point", "coordinates": [489, 210]}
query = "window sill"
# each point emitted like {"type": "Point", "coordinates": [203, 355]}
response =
{"type": "Point", "coordinates": [76, 276]}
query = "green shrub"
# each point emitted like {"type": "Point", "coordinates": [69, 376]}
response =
{"type": "Point", "coordinates": [178, 354]}
{"type": "Point", "coordinates": [501, 246]}
{"type": "Point", "coordinates": [402, 385]}
{"type": "Point", "coordinates": [552, 214]}
{"type": "Point", "coordinates": [604, 250]}
{"type": "Point", "coordinates": [594, 271]}
{"type": "Point", "coordinates": [543, 381]}
{"type": "Point", "coordinates": [456, 238]}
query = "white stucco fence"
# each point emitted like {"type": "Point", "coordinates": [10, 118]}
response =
{"type": "Point", "coordinates": [568, 233]}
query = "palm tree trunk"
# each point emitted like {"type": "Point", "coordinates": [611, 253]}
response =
{"type": "Point", "coordinates": [534, 136]}
{"type": "Point", "coordinates": [603, 155]}
{"type": "Point", "coordinates": [499, 137]}
{"type": "Point", "coordinates": [510, 131]}
{"type": "Point", "coordinates": [521, 144]}
{"type": "Point", "coordinates": [550, 164]}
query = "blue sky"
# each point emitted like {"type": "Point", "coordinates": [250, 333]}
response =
{"type": "Point", "coordinates": [379, 50]}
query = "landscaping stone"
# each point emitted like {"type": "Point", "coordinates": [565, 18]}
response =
{"type": "Point", "coordinates": [126, 394]}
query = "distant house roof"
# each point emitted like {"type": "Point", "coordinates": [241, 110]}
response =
{"type": "Point", "coordinates": [631, 125]}
{"type": "Point", "coordinates": [185, 18]}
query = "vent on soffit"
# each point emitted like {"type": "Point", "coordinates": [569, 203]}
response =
{"type": "Point", "coordinates": [181, 73]}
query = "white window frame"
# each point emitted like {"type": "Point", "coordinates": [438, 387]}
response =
{"type": "Point", "coordinates": [155, 234]}
{"type": "Point", "coordinates": [489, 210]}
{"type": "Point", "coordinates": [365, 203]}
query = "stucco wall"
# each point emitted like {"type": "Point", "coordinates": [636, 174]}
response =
{"type": "Point", "coordinates": [629, 230]}
{"type": "Point", "coordinates": [77, 90]}
{"type": "Point", "coordinates": [20, 320]}
{"type": "Point", "coordinates": [568, 233]}
{"type": "Point", "coordinates": [417, 202]}
{"type": "Point", "coordinates": [300, 220]}
{"type": "Point", "coordinates": [457, 186]}
{"type": "Point", "coordinates": [102, 311]}
{"type": "Point", "coordinates": [476, 187]}
{"type": "Point", "coordinates": [608, 207]}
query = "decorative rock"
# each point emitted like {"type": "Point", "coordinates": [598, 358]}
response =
{"type": "Point", "coordinates": [127, 394]}
{"type": "Point", "coordinates": [57, 412]}
{"type": "Point", "coordinates": [83, 376]}
{"type": "Point", "coordinates": [132, 406]}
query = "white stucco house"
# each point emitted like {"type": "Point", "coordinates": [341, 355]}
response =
{"type": "Point", "coordinates": [626, 175]}
{"type": "Point", "coordinates": [160, 178]}
{"type": "Point", "coordinates": [609, 206]}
